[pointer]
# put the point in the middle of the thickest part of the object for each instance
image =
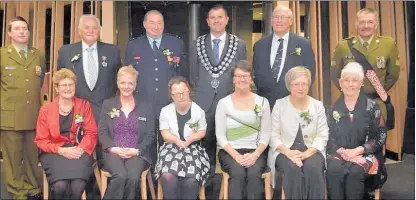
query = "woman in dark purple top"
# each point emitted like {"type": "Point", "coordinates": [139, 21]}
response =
{"type": "Point", "coordinates": [126, 132]}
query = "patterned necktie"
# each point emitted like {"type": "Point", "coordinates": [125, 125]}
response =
{"type": "Point", "coordinates": [216, 51]}
{"type": "Point", "coordinates": [278, 59]}
{"type": "Point", "coordinates": [155, 48]}
{"type": "Point", "coordinates": [92, 71]}
{"type": "Point", "coordinates": [22, 55]}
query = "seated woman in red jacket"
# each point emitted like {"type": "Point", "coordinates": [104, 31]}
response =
{"type": "Point", "coordinates": [66, 155]}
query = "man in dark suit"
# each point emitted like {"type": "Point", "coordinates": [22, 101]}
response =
{"type": "Point", "coordinates": [95, 64]}
{"type": "Point", "coordinates": [275, 54]}
{"type": "Point", "coordinates": [212, 56]}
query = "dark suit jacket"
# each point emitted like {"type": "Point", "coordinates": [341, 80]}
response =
{"type": "Point", "coordinates": [106, 85]}
{"type": "Point", "coordinates": [265, 83]}
{"type": "Point", "coordinates": [48, 136]}
{"type": "Point", "coordinates": [154, 69]}
{"type": "Point", "coordinates": [204, 95]}
{"type": "Point", "coordinates": [146, 131]}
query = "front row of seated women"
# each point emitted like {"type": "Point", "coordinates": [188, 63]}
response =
{"type": "Point", "coordinates": [349, 137]}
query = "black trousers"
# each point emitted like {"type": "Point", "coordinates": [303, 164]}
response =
{"type": "Point", "coordinates": [306, 182]}
{"type": "Point", "coordinates": [125, 176]}
{"type": "Point", "coordinates": [243, 180]}
{"type": "Point", "coordinates": [345, 180]}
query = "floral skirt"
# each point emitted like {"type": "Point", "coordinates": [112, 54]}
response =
{"type": "Point", "coordinates": [192, 162]}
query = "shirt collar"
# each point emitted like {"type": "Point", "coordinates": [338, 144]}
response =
{"type": "Point", "coordinates": [368, 41]}
{"type": "Point", "coordinates": [18, 50]}
{"type": "Point", "coordinates": [285, 37]}
{"type": "Point", "coordinates": [158, 40]}
{"type": "Point", "coordinates": [222, 37]}
{"type": "Point", "coordinates": [85, 46]}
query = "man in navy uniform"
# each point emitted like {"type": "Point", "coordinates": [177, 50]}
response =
{"type": "Point", "coordinates": [157, 57]}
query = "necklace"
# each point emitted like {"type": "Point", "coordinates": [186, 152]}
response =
{"type": "Point", "coordinates": [65, 112]}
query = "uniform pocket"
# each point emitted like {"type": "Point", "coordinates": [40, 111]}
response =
{"type": "Point", "coordinates": [7, 114]}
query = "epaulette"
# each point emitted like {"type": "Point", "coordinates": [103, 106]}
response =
{"type": "Point", "coordinates": [173, 35]}
{"type": "Point", "coordinates": [349, 38]}
{"type": "Point", "coordinates": [385, 37]}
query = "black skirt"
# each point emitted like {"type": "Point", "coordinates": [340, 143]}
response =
{"type": "Point", "coordinates": [58, 167]}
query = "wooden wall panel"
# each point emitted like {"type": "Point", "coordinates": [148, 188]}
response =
{"type": "Point", "coordinates": [23, 9]}
{"type": "Point", "coordinates": [108, 23]}
{"type": "Point", "coordinates": [313, 33]}
{"type": "Point", "coordinates": [335, 26]}
{"type": "Point", "coordinates": [10, 14]}
{"type": "Point", "coordinates": [353, 8]}
{"type": "Point", "coordinates": [40, 23]}
{"type": "Point", "coordinates": [3, 38]}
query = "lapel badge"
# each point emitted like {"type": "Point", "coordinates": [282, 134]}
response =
{"type": "Point", "coordinates": [9, 50]}
{"type": "Point", "coordinates": [38, 70]}
{"type": "Point", "coordinates": [33, 51]}
{"type": "Point", "coordinates": [353, 42]}
{"type": "Point", "coordinates": [136, 57]}
{"type": "Point", "coordinates": [377, 41]}
{"type": "Point", "coordinates": [381, 62]}
{"type": "Point", "coordinates": [104, 61]}
{"type": "Point", "coordinates": [142, 119]}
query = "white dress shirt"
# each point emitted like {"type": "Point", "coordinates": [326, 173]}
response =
{"type": "Point", "coordinates": [221, 45]}
{"type": "Point", "coordinates": [275, 46]}
{"type": "Point", "coordinates": [85, 58]}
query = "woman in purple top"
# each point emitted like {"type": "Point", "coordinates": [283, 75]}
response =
{"type": "Point", "coordinates": [126, 132]}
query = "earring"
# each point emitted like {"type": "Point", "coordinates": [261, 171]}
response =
{"type": "Point", "coordinates": [341, 89]}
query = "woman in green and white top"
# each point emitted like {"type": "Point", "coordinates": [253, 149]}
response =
{"type": "Point", "coordinates": [243, 129]}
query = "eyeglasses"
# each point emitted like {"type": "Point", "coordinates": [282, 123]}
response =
{"type": "Point", "coordinates": [180, 94]}
{"type": "Point", "coordinates": [242, 76]}
{"type": "Point", "coordinates": [280, 17]}
{"type": "Point", "coordinates": [303, 85]}
{"type": "Point", "coordinates": [67, 85]}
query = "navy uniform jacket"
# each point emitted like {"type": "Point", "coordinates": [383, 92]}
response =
{"type": "Point", "coordinates": [154, 68]}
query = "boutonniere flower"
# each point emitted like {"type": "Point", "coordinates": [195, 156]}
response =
{"type": "Point", "coordinates": [78, 119]}
{"type": "Point", "coordinates": [104, 61]}
{"type": "Point", "coordinates": [336, 116]}
{"type": "Point", "coordinates": [75, 58]}
{"type": "Point", "coordinates": [114, 113]}
{"type": "Point", "coordinates": [172, 60]}
{"type": "Point", "coordinates": [306, 117]}
{"type": "Point", "coordinates": [9, 50]}
{"type": "Point", "coordinates": [258, 110]}
{"type": "Point", "coordinates": [194, 125]}
{"type": "Point", "coordinates": [298, 51]}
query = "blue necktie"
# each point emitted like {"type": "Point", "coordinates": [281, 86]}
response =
{"type": "Point", "coordinates": [278, 59]}
{"type": "Point", "coordinates": [155, 46]}
{"type": "Point", "coordinates": [216, 51]}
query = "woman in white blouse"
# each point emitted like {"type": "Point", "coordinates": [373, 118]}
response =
{"type": "Point", "coordinates": [182, 164]}
{"type": "Point", "coordinates": [243, 131]}
{"type": "Point", "coordinates": [299, 137]}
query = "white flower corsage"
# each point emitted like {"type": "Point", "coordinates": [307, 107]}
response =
{"type": "Point", "coordinates": [114, 113]}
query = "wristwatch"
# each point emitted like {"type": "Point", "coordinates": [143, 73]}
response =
{"type": "Point", "coordinates": [138, 153]}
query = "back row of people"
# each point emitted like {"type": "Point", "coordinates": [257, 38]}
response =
{"type": "Point", "coordinates": [158, 57]}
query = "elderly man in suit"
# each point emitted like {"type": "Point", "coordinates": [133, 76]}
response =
{"type": "Point", "coordinates": [95, 64]}
{"type": "Point", "coordinates": [22, 70]}
{"type": "Point", "coordinates": [157, 57]}
{"type": "Point", "coordinates": [275, 54]}
{"type": "Point", "coordinates": [212, 56]}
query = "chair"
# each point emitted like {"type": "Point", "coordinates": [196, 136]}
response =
{"type": "Point", "coordinates": [145, 174]}
{"type": "Point", "coordinates": [46, 188]}
{"type": "Point", "coordinates": [160, 191]}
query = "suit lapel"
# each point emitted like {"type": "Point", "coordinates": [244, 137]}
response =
{"type": "Point", "coordinates": [291, 45]}
{"type": "Point", "coordinates": [12, 53]}
{"type": "Point", "coordinates": [101, 54]}
{"type": "Point", "coordinates": [356, 44]}
{"type": "Point", "coordinates": [208, 48]}
{"type": "Point", "coordinates": [78, 65]}
{"type": "Point", "coordinates": [226, 44]}
{"type": "Point", "coordinates": [269, 52]}
{"type": "Point", "coordinates": [373, 45]}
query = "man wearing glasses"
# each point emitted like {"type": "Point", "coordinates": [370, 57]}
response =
{"type": "Point", "coordinates": [275, 54]}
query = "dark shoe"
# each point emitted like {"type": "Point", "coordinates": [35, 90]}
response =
{"type": "Point", "coordinates": [38, 196]}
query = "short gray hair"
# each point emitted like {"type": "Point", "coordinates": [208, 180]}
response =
{"type": "Point", "coordinates": [81, 20]}
{"type": "Point", "coordinates": [295, 73]}
{"type": "Point", "coordinates": [353, 68]}
{"type": "Point", "coordinates": [153, 12]}
{"type": "Point", "coordinates": [284, 8]}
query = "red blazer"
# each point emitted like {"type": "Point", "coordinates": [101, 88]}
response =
{"type": "Point", "coordinates": [48, 137]}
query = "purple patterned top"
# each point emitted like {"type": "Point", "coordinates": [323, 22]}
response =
{"type": "Point", "coordinates": [125, 130]}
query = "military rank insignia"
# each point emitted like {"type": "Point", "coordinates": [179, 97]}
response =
{"type": "Point", "coordinates": [381, 62]}
{"type": "Point", "coordinates": [38, 70]}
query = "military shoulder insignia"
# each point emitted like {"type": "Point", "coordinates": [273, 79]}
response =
{"type": "Point", "coordinates": [173, 35]}
{"type": "Point", "coordinates": [397, 62]}
{"type": "Point", "coordinates": [381, 62]}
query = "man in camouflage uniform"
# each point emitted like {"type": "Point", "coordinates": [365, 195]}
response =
{"type": "Point", "coordinates": [380, 51]}
{"type": "Point", "coordinates": [22, 70]}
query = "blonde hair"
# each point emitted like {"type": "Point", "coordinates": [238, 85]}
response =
{"type": "Point", "coordinates": [63, 74]}
{"type": "Point", "coordinates": [353, 68]}
{"type": "Point", "coordinates": [295, 73]}
{"type": "Point", "coordinates": [367, 11]}
{"type": "Point", "coordinates": [127, 70]}
{"type": "Point", "coordinates": [285, 9]}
